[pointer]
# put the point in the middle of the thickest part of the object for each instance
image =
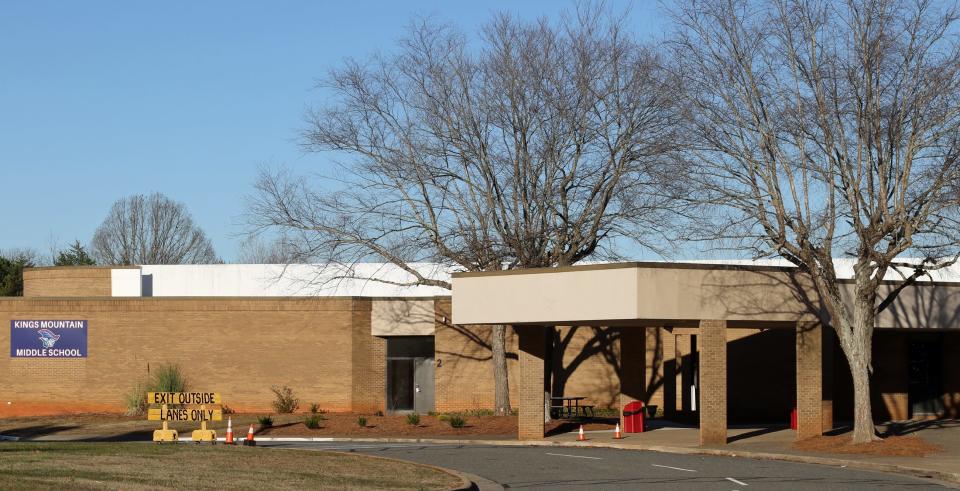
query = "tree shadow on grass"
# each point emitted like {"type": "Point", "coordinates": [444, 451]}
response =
{"type": "Point", "coordinates": [37, 430]}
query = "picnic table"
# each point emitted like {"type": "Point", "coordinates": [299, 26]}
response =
{"type": "Point", "coordinates": [570, 407]}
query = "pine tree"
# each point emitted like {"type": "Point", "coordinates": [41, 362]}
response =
{"type": "Point", "coordinates": [76, 255]}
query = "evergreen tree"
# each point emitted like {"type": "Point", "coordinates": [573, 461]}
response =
{"type": "Point", "coordinates": [76, 255]}
{"type": "Point", "coordinates": [11, 274]}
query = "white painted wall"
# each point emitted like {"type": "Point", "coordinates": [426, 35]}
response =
{"type": "Point", "coordinates": [296, 280]}
{"type": "Point", "coordinates": [307, 280]}
{"type": "Point", "coordinates": [125, 282]}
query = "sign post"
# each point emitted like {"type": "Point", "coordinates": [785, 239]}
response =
{"type": "Point", "coordinates": [184, 412]}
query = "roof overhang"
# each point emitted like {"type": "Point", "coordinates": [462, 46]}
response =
{"type": "Point", "coordinates": [675, 294]}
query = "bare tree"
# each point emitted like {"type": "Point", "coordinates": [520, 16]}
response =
{"type": "Point", "coordinates": [825, 129]}
{"type": "Point", "coordinates": [253, 250]}
{"type": "Point", "coordinates": [537, 146]}
{"type": "Point", "coordinates": [150, 230]}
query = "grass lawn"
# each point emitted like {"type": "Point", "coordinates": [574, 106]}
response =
{"type": "Point", "coordinates": [136, 466]}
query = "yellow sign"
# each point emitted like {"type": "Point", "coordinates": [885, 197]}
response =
{"type": "Point", "coordinates": [185, 415]}
{"type": "Point", "coordinates": [195, 398]}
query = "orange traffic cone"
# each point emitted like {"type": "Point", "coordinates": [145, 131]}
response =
{"type": "Point", "coordinates": [250, 442]}
{"type": "Point", "coordinates": [616, 433]}
{"type": "Point", "coordinates": [581, 437]}
{"type": "Point", "coordinates": [229, 439]}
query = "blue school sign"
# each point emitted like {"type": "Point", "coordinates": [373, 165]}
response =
{"type": "Point", "coordinates": [48, 339]}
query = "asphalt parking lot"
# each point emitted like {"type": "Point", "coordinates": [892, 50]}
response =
{"type": "Point", "coordinates": [516, 467]}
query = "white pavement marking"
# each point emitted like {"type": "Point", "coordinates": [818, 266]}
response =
{"type": "Point", "coordinates": [674, 468]}
{"type": "Point", "coordinates": [269, 439]}
{"type": "Point", "coordinates": [736, 481]}
{"type": "Point", "coordinates": [574, 456]}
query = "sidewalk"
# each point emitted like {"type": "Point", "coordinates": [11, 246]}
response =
{"type": "Point", "coordinates": [776, 443]}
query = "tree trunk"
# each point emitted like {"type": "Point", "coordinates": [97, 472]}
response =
{"type": "Point", "coordinates": [501, 380]}
{"type": "Point", "coordinates": [858, 349]}
{"type": "Point", "coordinates": [864, 430]}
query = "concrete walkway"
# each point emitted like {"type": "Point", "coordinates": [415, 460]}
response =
{"type": "Point", "coordinates": [776, 442]}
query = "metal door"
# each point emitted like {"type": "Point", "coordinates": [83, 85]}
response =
{"type": "Point", "coordinates": [423, 385]}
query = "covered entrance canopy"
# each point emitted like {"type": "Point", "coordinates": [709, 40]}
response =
{"type": "Point", "coordinates": [706, 297]}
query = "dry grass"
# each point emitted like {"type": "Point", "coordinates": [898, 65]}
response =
{"type": "Point", "coordinates": [893, 446]}
{"type": "Point", "coordinates": [147, 466]}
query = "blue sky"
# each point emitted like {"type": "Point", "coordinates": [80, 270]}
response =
{"type": "Point", "coordinates": [103, 100]}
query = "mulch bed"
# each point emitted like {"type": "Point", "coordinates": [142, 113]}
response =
{"type": "Point", "coordinates": [893, 446]}
{"type": "Point", "coordinates": [345, 425]}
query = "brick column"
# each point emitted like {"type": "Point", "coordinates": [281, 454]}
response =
{"type": "Point", "coordinates": [809, 380]}
{"type": "Point", "coordinates": [829, 351]}
{"type": "Point", "coordinates": [684, 372]}
{"type": "Point", "coordinates": [632, 376]}
{"type": "Point", "coordinates": [669, 375]}
{"type": "Point", "coordinates": [653, 375]}
{"type": "Point", "coordinates": [532, 343]}
{"type": "Point", "coordinates": [713, 382]}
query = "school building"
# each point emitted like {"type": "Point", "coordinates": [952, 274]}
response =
{"type": "Point", "coordinates": [713, 343]}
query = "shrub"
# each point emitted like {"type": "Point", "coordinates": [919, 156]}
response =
{"type": "Point", "coordinates": [227, 409]}
{"type": "Point", "coordinates": [313, 421]}
{"type": "Point", "coordinates": [167, 377]}
{"type": "Point", "coordinates": [265, 421]}
{"type": "Point", "coordinates": [314, 408]}
{"type": "Point", "coordinates": [413, 419]}
{"type": "Point", "coordinates": [286, 402]}
{"type": "Point", "coordinates": [136, 400]}
{"type": "Point", "coordinates": [457, 421]}
{"type": "Point", "coordinates": [362, 422]}
{"type": "Point", "coordinates": [479, 412]}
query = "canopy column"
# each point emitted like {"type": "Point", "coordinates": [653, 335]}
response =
{"type": "Point", "coordinates": [713, 382]}
{"type": "Point", "coordinates": [810, 401]}
{"type": "Point", "coordinates": [532, 342]}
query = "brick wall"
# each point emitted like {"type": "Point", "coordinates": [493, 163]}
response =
{"type": "Point", "coordinates": [632, 352]}
{"type": "Point", "coordinates": [464, 372]}
{"type": "Point", "coordinates": [590, 360]}
{"type": "Point", "coordinates": [670, 366]}
{"type": "Point", "coordinates": [238, 347]}
{"type": "Point", "coordinates": [684, 375]}
{"type": "Point", "coordinates": [369, 358]}
{"type": "Point", "coordinates": [764, 359]}
{"type": "Point", "coordinates": [72, 281]}
{"type": "Point", "coordinates": [890, 382]}
{"type": "Point", "coordinates": [950, 360]}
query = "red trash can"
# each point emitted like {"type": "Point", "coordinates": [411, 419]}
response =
{"type": "Point", "coordinates": [633, 417]}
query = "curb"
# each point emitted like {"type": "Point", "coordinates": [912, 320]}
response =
{"type": "Point", "coordinates": [950, 477]}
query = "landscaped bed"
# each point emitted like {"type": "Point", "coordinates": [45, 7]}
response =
{"type": "Point", "coordinates": [120, 427]}
{"type": "Point", "coordinates": [108, 426]}
{"type": "Point", "coordinates": [892, 446]}
{"type": "Point", "coordinates": [140, 466]}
